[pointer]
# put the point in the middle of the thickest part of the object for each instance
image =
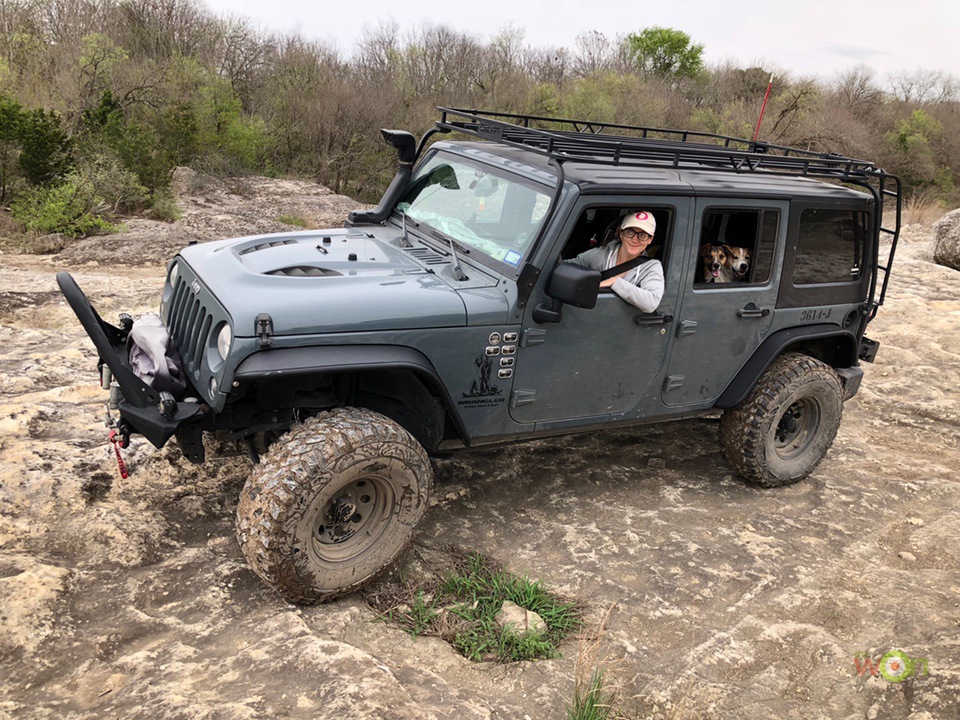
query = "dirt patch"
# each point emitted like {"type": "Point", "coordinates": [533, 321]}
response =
{"type": "Point", "coordinates": [129, 598]}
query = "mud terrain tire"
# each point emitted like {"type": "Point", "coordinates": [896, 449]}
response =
{"type": "Point", "coordinates": [334, 502]}
{"type": "Point", "coordinates": [783, 429]}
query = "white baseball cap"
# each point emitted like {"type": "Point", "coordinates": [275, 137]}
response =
{"type": "Point", "coordinates": [642, 220]}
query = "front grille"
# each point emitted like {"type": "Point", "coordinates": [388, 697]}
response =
{"type": "Point", "coordinates": [189, 324]}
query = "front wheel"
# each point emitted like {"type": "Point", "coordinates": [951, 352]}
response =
{"type": "Point", "coordinates": [783, 429]}
{"type": "Point", "coordinates": [333, 503]}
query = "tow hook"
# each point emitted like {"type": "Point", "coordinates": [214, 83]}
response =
{"type": "Point", "coordinates": [120, 440]}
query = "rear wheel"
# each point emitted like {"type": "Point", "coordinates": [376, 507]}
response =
{"type": "Point", "coordinates": [333, 503]}
{"type": "Point", "coordinates": [783, 429]}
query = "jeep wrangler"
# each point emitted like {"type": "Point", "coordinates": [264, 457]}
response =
{"type": "Point", "coordinates": [447, 318]}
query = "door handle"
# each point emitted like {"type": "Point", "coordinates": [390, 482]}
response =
{"type": "Point", "coordinates": [652, 319]}
{"type": "Point", "coordinates": [752, 311]}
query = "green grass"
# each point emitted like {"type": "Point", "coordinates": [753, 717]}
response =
{"type": "Point", "coordinates": [590, 702]}
{"type": "Point", "coordinates": [293, 220]}
{"type": "Point", "coordinates": [461, 605]}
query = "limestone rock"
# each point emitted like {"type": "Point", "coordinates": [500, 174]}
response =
{"type": "Point", "coordinates": [946, 249]}
{"type": "Point", "coordinates": [523, 620]}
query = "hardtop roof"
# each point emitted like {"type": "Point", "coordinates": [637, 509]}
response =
{"type": "Point", "coordinates": [627, 179]}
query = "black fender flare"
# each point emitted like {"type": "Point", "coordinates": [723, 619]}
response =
{"type": "Point", "coordinates": [329, 359]}
{"type": "Point", "coordinates": [843, 345]}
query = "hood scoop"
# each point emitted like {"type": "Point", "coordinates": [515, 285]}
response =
{"type": "Point", "coordinates": [304, 271]}
{"type": "Point", "coordinates": [267, 245]}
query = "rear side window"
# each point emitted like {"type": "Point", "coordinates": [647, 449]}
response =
{"type": "Point", "coordinates": [743, 239]}
{"type": "Point", "coordinates": [830, 246]}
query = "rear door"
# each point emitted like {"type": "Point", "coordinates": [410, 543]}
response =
{"type": "Point", "coordinates": [720, 324]}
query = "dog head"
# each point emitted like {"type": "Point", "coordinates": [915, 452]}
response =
{"type": "Point", "coordinates": [738, 260]}
{"type": "Point", "coordinates": [714, 259]}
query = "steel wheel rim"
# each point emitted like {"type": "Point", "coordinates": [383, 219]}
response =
{"type": "Point", "coordinates": [351, 520]}
{"type": "Point", "coordinates": [796, 428]}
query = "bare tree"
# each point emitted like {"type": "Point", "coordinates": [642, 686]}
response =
{"type": "Point", "coordinates": [924, 86]}
{"type": "Point", "coordinates": [594, 53]}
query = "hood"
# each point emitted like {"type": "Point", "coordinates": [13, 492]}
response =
{"type": "Point", "coordinates": [324, 281]}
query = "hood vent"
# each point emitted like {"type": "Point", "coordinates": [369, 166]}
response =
{"type": "Point", "coordinates": [426, 255]}
{"type": "Point", "coordinates": [304, 271]}
{"type": "Point", "coordinates": [266, 245]}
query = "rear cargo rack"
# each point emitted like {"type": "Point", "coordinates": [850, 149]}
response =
{"type": "Point", "coordinates": [582, 141]}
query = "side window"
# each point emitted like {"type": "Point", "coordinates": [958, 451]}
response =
{"type": "Point", "coordinates": [830, 246]}
{"type": "Point", "coordinates": [736, 246]}
{"type": "Point", "coordinates": [597, 226]}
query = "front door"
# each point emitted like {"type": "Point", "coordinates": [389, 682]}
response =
{"type": "Point", "coordinates": [720, 324]}
{"type": "Point", "coordinates": [603, 362]}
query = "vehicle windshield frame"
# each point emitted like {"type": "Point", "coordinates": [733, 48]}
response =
{"type": "Point", "coordinates": [470, 244]}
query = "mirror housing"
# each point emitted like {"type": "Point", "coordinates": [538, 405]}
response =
{"type": "Point", "coordinates": [574, 285]}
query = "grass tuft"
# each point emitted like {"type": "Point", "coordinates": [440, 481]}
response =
{"type": "Point", "coordinates": [460, 607]}
{"type": "Point", "coordinates": [590, 701]}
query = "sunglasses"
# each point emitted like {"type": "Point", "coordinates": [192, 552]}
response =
{"type": "Point", "coordinates": [631, 233]}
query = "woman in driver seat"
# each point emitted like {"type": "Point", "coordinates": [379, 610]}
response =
{"type": "Point", "coordinates": [642, 285]}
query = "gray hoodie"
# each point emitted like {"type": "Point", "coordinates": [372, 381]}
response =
{"type": "Point", "coordinates": [642, 287]}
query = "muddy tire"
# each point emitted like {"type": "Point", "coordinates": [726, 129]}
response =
{"type": "Point", "coordinates": [333, 503]}
{"type": "Point", "coordinates": [783, 429]}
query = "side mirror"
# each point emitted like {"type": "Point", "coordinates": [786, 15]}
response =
{"type": "Point", "coordinates": [574, 285]}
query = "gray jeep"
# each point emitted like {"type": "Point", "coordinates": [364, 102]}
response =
{"type": "Point", "coordinates": [447, 318]}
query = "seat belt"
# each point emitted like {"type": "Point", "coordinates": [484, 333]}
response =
{"type": "Point", "coordinates": [624, 267]}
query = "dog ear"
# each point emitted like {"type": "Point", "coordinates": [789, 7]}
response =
{"type": "Point", "coordinates": [727, 250]}
{"type": "Point", "coordinates": [705, 250]}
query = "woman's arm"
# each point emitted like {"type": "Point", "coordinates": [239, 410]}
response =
{"type": "Point", "coordinates": [648, 291]}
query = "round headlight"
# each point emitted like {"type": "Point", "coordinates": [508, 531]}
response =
{"type": "Point", "coordinates": [174, 273]}
{"type": "Point", "coordinates": [223, 341]}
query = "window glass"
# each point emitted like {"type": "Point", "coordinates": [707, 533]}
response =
{"type": "Point", "coordinates": [830, 245]}
{"type": "Point", "coordinates": [478, 206]}
{"type": "Point", "coordinates": [736, 246]}
{"type": "Point", "coordinates": [597, 226]}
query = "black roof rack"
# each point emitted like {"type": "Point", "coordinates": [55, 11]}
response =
{"type": "Point", "coordinates": [584, 141]}
{"type": "Point", "coordinates": [614, 144]}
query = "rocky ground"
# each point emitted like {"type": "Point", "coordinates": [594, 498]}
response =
{"type": "Point", "coordinates": [706, 597]}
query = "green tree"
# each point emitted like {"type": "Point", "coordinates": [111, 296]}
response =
{"type": "Point", "coordinates": [666, 53]}
{"type": "Point", "coordinates": [45, 148]}
{"type": "Point", "coordinates": [11, 120]}
{"type": "Point", "coordinates": [915, 140]}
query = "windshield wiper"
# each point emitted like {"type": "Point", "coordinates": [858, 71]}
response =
{"type": "Point", "coordinates": [404, 238]}
{"type": "Point", "coordinates": [458, 272]}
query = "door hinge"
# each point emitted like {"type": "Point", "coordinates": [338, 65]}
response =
{"type": "Point", "coordinates": [686, 327]}
{"type": "Point", "coordinates": [522, 397]}
{"type": "Point", "coordinates": [672, 382]}
{"type": "Point", "coordinates": [533, 336]}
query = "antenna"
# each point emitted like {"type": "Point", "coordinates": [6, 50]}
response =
{"type": "Point", "coordinates": [756, 133]}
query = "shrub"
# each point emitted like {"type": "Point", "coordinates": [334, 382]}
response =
{"type": "Point", "coordinates": [111, 183]}
{"type": "Point", "coordinates": [163, 206]}
{"type": "Point", "coordinates": [71, 208]}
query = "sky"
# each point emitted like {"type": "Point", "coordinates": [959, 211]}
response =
{"type": "Point", "coordinates": [807, 38]}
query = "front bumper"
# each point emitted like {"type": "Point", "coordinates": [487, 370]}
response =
{"type": "Point", "coordinates": [140, 405]}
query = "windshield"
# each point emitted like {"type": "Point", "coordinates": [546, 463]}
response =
{"type": "Point", "coordinates": [479, 207]}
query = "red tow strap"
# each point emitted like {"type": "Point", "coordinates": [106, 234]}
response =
{"type": "Point", "coordinates": [117, 440]}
